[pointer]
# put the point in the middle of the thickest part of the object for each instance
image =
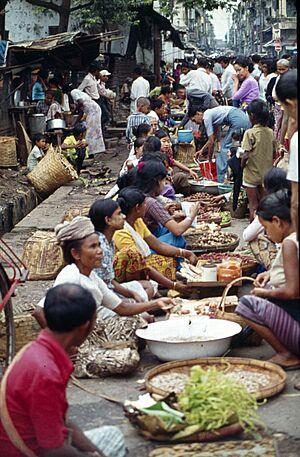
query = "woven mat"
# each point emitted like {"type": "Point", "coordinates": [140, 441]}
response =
{"type": "Point", "coordinates": [262, 448]}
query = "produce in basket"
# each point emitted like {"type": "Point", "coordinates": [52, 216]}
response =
{"type": "Point", "coordinates": [210, 239]}
{"type": "Point", "coordinates": [226, 218]}
{"type": "Point", "coordinates": [245, 259]}
{"type": "Point", "coordinates": [211, 400]}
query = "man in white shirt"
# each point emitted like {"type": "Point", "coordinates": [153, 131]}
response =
{"type": "Point", "coordinates": [140, 88]}
{"type": "Point", "coordinates": [226, 78]}
{"type": "Point", "coordinates": [89, 84]}
{"type": "Point", "coordinates": [256, 66]}
{"type": "Point", "coordinates": [198, 79]}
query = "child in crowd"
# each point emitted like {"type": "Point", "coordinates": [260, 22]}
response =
{"type": "Point", "coordinates": [259, 147]}
{"type": "Point", "coordinates": [75, 147]}
{"type": "Point", "coordinates": [273, 309]}
{"type": "Point", "coordinates": [38, 150]}
{"type": "Point", "coordinates": [133, 160]}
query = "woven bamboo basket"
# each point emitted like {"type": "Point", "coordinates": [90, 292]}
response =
{"type": "Point", "coordinates": [276, 375]}
{"type": "Point", "coordinates": [8, 151]}
{"type": "Point", "coordinates": [51, 172]}
{"type": "Point", "coordinates": [42, 256]}
{"type": "Point", "coordinates": [73, 212]}
{"type": "Point", "coordinates": [26, 328]}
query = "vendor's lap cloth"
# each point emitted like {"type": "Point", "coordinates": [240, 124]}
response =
{"type": "Point", "coordinates": [261, 448]}
{"type": "Point", "coordinates": [131, 261]}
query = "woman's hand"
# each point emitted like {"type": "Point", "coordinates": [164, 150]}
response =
{"type": "Point", "coordinates": [171, 208]}
{"type": "Point", "coordinates": [198, 154]}
{"type": "Point", "coordinates": [194, 210]}
{"type": "Point", "coordinates": [183, 288]}
{"type": "Point", "coordinates": [218, 199]}
{"type": "Point", "coordinates": [259, 292]}
{"type": "Point", "coordinates": [194, 175]}
{"type": "Point", "coordinates": [190, 256]}
{"type": "Point", "coordinates": [136, 297]}
{"type": "Point", "coordinates": [164, 303]}
{"type": "Point", "coordinates": [262, 279]}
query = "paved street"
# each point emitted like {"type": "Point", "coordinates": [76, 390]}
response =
{"type": "Point", "coordinates": [280, 414]}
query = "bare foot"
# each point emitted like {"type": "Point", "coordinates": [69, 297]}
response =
{"type": "Point", "coordinates": [286, 359]}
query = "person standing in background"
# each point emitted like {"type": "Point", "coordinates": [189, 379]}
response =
{"type": "Point", "coordinates": [245, 87]}
{"type": "Point", "coordinates": [226, 78]}
{"type": "Point", "coordinates": [140, 88]}
{"type": "Point", "coordinates": [89, 84]}
{"type": "Point", "coordinates": [256, 72]}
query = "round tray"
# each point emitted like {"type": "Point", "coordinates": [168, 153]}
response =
{"type": "Point", "coordinates": [277, 374]}
{"type": "Point", "coordinates": [228, 224]}
{"type": "Point", "coordinates": [216, 220]}
{"type": "Point", "coordinates": [219, 248]}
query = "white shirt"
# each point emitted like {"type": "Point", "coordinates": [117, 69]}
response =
{"type": "Point", "coordinates": [33, 157]}
{"type": "Point", "coordinates": [89, 85]}
{"type": "Point", "coordinates": [227, 81]}
{"type": "Point", "coordinates": [215, 82]}
{"type": "Point", "coordinates": [105, 298]}
{"type": "Point", "coordinates": [292, 174]}
{"type": "Point", "coordinates": [263, 83]}
{"type": "Point", "coordinates": [256, 71]}
{"type": "Point", "coordinates": [140, 88]}
{"type": "Point", "coordinates": [198, 79]}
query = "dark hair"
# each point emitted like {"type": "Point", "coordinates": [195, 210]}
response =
{"type": "Point", "coordinates": [203, 62]}
{"type": "Point", "coordinates": [152, 144]}
{"type": "Point", "coordinates": [78, 129]}
{"type": "Point", "coordinates": [255, 58]}
{"type": "Point", "coordinates": [128, 179]}
{"type": "Point", "coordinates": [259, 110]}
{"type": "Point", "coordinates": [138, 71]}
{"type": "Point", "coordinates": [149, 175]}
{"type": "Point", "coordinates": [67, 248]}
{"type": "Point", "coordinates": [156, 103]}
{"type": "Point", "coordinates": [224, 59]}
{"type": "Point", "coordinates": [180, 87]}
{"type": "Point", "coordinates": [53, 81]}
{"type": "Point", "coordinates": [138, 142]}
{"type": "Point", "coordinates": [161, 134]}
{"type": "Point", "coordinates": [244, 62]}
{"type": "Point", "coordinates": [66, 88]}
{"type": "Point", "coordinates": [159, 156]}
{"type": "Point", "coordinates": [38, 137]}
{"type": "Point", "coordinates": [67, 306]}
{"type": "Point", "coordinates": [285, 56]}
{"type": "Point", "coordinates": [287, 86]}
{"type": "Point", "coordinates": [185, 64]}
{"type": "Point", "coordinates": [193, 110]}
{"type": "Point", "coordinates": [129, 197]}
{"type": "Point", "coordinates": [270, 64]}
{"type": "Point", "coordinates": [141, 130]}
{"type": "Point", "coordinates": [275, 179]}
{"type": "Point", "coordinates": [165, 90]}
{"type": "Point", "coordinates": [101, 209]}
{"type": "Point", "coordinates": [276, 204]}
{"type": "Point", "coordinates": [50, 92]}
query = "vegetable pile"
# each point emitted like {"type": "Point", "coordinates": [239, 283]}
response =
{"type": "Point", "coordinates": [210, 238]}
{"type": "Point", "coordinates": [210, 400]}
{"type": "Point", "coordinates": [246, 259]}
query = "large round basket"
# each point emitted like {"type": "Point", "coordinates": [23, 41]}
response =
{"type": "Point", "coordinates": [51, 172]}
{"type": "Point", "coordinates": [201, 248]}
{"type": "Point", "coordinates": [8, 151]}
{"type": "Point", "coordinates": [263, 379]}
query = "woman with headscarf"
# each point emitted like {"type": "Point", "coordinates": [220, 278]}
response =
{"type": "Point", "coordinates": [85, 105]}
{"type": "Point", "coordinates": [82, 253]}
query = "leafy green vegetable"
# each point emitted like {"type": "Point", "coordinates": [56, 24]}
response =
{"type": "Point", "coordinates": [211, 400]}
{"type": "Point", "coordinates": [167, 414]}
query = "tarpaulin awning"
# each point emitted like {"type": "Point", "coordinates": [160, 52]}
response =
{"type": "Point", "coordinates": [69, 50]}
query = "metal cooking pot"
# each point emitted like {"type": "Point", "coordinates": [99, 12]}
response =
{"type": "Point", "coordinates": [55, 124]}
{"type": "Point", "coordinates": [37, 123]}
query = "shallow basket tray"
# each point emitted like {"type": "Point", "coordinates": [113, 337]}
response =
{"type": "Point", "coordinates": [277, 374]}
{"type": "Point", "coordinates": [219, 248]}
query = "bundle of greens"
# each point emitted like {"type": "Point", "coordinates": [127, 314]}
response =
{"type": "Point", "coordinates": [211, 400]}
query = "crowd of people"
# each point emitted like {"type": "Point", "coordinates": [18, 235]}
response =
{"type": "Point", "coordinates": [130, 247]}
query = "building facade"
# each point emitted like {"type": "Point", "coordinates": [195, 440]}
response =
{"type": "Point", "coordinates": [258, 25]}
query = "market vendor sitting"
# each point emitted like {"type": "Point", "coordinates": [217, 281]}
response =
{"type": "Point", "coordinates": [75, 147]}
{"type": "Point", "coordinates": [37, 152]}
{"type": "Point", "coordinates": [180, 101]}
{"type": "Point", "coordinates": [49, 107]}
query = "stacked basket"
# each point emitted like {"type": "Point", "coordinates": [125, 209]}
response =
{"type": "Point", "coordinates": [8, 151]}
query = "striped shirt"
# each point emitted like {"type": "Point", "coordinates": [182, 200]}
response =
{"type": "Point", "coordinates": [134, 120]}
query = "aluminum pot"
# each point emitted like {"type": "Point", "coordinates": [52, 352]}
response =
{"type": "Point", "coordinates": [56, 124]}
{"type": "Point", "coordinates": [37, 123]}
{"type": "Point", "coordinates": [161, 337]}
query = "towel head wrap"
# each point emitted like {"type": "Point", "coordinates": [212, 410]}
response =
{"type": "Point", "coordinates": [78, 228]}
{"type": "Point", "coordinates": [79, 95]}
